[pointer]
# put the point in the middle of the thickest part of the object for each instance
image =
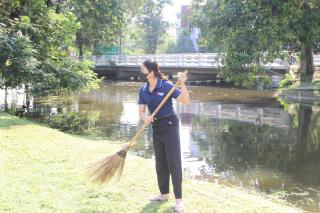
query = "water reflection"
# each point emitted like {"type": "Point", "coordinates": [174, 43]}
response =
{"type": "Point", "coordinates": [271, 158]}
{"type": "Point", "coordinates": [232, 136]}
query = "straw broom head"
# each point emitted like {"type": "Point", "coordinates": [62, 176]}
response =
{"type": "Point", "coordinates": [107, 168]}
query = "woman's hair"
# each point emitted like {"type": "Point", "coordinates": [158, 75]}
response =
{"type": "Point", "coordinates": [152, 65]}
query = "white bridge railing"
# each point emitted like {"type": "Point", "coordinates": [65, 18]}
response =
{"type": "Point", "coordinates": [205, 60]}
{"type": "Point", "coordinates": [180, 60]}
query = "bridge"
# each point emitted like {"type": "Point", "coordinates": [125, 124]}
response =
{"type": "Point", "coordinates": [201, 66]}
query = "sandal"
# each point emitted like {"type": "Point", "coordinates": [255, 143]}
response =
{"type": "Point", "coordinates": [158, 198]}
{"type": "Point", "coordinates": [178, 209]}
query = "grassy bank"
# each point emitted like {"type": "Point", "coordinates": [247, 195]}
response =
{"type": "Point", "coordinates": [43, 170]}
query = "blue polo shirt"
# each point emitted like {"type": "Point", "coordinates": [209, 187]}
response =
{"type": "Point", "coordinates": [153, 99]}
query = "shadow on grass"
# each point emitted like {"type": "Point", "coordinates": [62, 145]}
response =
{"type": "Point", "coordinates": [7, 120]}
{"type": "Point", "coordinates": [154, 207]}
{"type": "Point", "coordinates": [91, 211]}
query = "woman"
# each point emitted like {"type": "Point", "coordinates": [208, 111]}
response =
{"type": "Point", "coordinates": [165, 125]}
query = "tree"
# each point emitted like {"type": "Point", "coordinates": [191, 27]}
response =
{"type": "Point", "coordinates": [183, 44]}
{"type": "Point", "coordinates": [17, 59]}
{"type": "Point", "coordinates": [132, 42]}
{"type": "Point", "coordinates": [35, 40]}
{"type": "Point", "coordinates": [152, 23]}
{"type": "Point", "coordinates": [101, 22]}
{"type": "Point", "coordinates": [168, 46]}
{"type": "Point", "coordinates": [252, 32]}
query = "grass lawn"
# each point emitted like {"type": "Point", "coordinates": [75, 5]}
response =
{"type": "Point", "coordinates": [44, 170]}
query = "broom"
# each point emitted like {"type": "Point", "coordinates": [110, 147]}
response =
{"type": "Point", "coordinates": [112, 166]}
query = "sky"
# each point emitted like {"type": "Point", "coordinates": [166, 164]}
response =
{"type": "Point", "coordinates": [170, 11]}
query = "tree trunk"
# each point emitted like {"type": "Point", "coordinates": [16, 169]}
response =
{"type": "Point", "coordinates": [58, 8]}
{"type": "Point", "coordinates": [5, 99]}
{"type": "Point", "coordinates": [95, 46]}
{"type": "Point", "coordinates": [304, 119]}
{"type": "Point", "coordinates": [300, 151]}
{"type": "Point", "coordinates": [79, 42]}
{"type": "Point", "coordinates": [49, 3]}
{"type": "Point", "coordinates": [81, 51]}
{"type": "Point", "coordinates": [28, 96]}
{"type": "Point", "coordinates": [306, 68]}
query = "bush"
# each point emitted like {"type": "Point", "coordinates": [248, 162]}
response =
{"type": "Point", "coordinates": [286, 82]}
{"type": "Point", "coordinates": [71, 122]}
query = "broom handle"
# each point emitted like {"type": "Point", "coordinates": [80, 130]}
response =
{"type": "Point", "coordinates": [132, 142]}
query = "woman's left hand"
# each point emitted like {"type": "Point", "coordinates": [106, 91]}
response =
{"type": "Point", "coordinates": [182, 77]}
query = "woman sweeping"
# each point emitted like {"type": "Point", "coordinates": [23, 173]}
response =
{"type": "Point", "coordinates": [165, 125]}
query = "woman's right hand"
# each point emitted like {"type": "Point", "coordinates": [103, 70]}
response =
{"type": "Point", "coordinates": [148, 119]}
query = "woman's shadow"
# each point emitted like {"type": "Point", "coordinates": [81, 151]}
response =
{"type": "Point", "coordinates": [153, 207]}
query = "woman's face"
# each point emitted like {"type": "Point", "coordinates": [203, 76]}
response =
{"type": "Point", "coordinates": [146, 72]}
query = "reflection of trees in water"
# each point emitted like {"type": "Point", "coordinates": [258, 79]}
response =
{"type": "Point", "coordinates": [306, 160]}
{"type": "Point", "coordinates": [88, 114]}
{"type": "Point", "coordinates": [266, 157]}
{"type": "Point", "coordinates": [109, 114]}
{"type": "Point", "coordinates": [240, 146]}
{"type": "Point", "coordinates": [101, 110]}
{"type": "Point", "coordinates": [112, 93]}
{"type": "Point", "coordinates": [62, 113]}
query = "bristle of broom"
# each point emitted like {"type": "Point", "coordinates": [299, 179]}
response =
{"type": "Point", "coordinates": [107, 168]}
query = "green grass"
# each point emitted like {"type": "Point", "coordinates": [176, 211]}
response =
{"type": "Point", "coordinates": [44, 170]}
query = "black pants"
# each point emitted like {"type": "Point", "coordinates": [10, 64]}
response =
{"type": "Point", "coordinates": [166, 143]}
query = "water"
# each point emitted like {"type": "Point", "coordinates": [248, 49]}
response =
{"type": "Point", "coordinates": [231, 136]}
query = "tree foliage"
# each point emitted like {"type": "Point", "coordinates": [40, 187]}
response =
{"type": "Point", "coordinates": [36, 37]}
{"type": "Point", "coordinates": [101, 22]}
{"type": "Point", "coordinates": [154, 28]}
{"type": "Point", "coordinates": [17, 59]}
{"type": "Point", "coordinates": [253, 32]}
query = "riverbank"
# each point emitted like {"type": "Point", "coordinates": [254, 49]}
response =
{"type": "Point", "coordinates": [44, 170]}
{"type": "Point", "coordinates": [302, 93]}
{"type": "Point", "coordinates": [308, 93]}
